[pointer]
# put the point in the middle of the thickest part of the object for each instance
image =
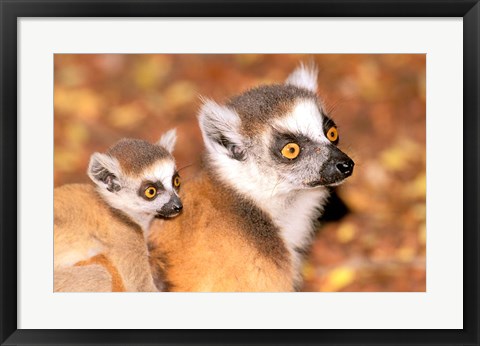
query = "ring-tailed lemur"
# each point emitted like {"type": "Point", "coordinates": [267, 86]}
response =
{"type": "Point", "coordinates": [136, 181]}
{"type": "Point", "coordinates": [271, 154]}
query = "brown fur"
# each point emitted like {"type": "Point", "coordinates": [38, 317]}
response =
{"type": "Point", "coordinates": [86, 226]}
{"type": "Point", "coordinates": [159, 265]}
{"type": "Point", "coordinates": [221, 242]}
{"type": "Point", "coordinates": [135, 155]}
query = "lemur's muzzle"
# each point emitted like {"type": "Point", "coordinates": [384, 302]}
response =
{"type": "Point", "coordinates": [336, 168]}
{"type": "Point", "coordinates": [172, 208]}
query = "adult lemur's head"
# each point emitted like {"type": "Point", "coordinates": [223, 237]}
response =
{"type": "Point", "coordinates": [274, 139]}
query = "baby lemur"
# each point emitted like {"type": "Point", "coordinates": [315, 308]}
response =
{"type": "Point", "coordinates": [136, 181]}
{"type": "Point", "coordinates": [271, 154]}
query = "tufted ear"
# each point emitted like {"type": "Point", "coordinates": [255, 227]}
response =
{"type": "Point", "coordinates": [104, 171]}
{"type": "Point", "coordinates": [220, 128]}
{"type": "Point", "coordinates": [168, 140]}
{"type": "Point", "coordinates": [304, 76]}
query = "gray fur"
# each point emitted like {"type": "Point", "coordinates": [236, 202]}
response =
{"type": "Point", "coordinates": [258, 106]}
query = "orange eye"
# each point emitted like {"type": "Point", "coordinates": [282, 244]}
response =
{"type": "Point", "coordinates": [176, 181]}
{"type": "Point", "coordinates": [150, 192]}
{"type": "Point", "coordinates": [332, 134]}
{"type": "Point", "coordinates": [291, 151]}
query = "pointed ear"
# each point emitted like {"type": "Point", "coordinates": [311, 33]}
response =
{"type": "Point", "coordinates": [220, 128]}
{"type": "Point", "coordinates": [168, 140]}
{"type": "Point", "coordinates": [304, 76]}
{"type": "Point", "coordinates": [104, 172]}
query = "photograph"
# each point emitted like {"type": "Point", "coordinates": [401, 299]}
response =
{"type": "Point", "coordinates": [218, 172]}
{"type": "Point", "coordinates": [239, 173]}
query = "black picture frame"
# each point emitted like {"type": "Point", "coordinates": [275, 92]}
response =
{"type": "Point", "coordinates": [12, 10]}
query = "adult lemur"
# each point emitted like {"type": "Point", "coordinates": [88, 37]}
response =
{"type": "Point", "coordinates": [271, 153]}
{"type": "Point", "coordinates": [135, 181]}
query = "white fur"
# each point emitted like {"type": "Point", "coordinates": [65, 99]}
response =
{"type": "Point", "coordinates": [168, 140]}
{"type": "Point", "coordinates": [69, 257]}
{"type": "Point", "coordinates": [304, 119]}
{"type": "Point", "coordinates": [162, 171]}
{"type": "Point", "coordinates": [304, 77]}
{"type": "Point", "coordinates": [216, 118]}
{"type": "Point", "coordinates": [294, 215]}
{"type": "Point", "coordinates": [104, 160]}
{"type": "Point", "coordinates": [140, 211]}
{"type": "Point", "coordinates": [93, 251]}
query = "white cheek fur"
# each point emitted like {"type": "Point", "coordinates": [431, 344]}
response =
{"type": "Point", "coordinates": [136, 207]}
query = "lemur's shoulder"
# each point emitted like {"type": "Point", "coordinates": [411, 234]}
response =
{"type": "Point", "coordinates": [80, 213]}
{"type": "Point", "coordinates": [74, 200]}
{"type": "Point", "coordinates": [86, 191]}
{"type": "Point", "coordinates": [83, 202]}
{"type": "Point", "coordinates": [229, 234]}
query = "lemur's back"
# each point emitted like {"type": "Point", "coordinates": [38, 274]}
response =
{"type": "Point", "coordinates": [217, 249]}
{"type": "Point", "coordinates": [77, 208]}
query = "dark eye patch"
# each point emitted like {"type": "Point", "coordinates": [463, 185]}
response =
{"type": "Point", "coordinates": [145, 184]}
{"type": "Point", "coordinates": [327, 124]}
{"type": "Point", "coordinates": [176, 175]}
{"type": "Point", "coordinates": [282, 139]}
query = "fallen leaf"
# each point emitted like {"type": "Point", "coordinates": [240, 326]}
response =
{"type": "Point", "coordinates": [346, 232]}
{"type": "Point", "coordinates": [338, 278]}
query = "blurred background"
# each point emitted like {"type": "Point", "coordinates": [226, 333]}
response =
{"type": "Point", "coordinates": [373, 235]}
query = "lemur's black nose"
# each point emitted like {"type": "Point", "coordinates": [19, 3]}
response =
{"type": "Point", "coordinates": [177, 207]}
{"type": "Point", "coordinates": [346, 167]}
{"type": "Point", "coordinates": [172, 207]}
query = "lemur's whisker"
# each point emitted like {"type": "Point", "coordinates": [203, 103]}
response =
{"type": "Point", "coordinates": [186, 166]}
{"type": "Point", "coordinates": [275, 186]}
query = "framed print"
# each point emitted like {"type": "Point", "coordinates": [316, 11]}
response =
{"type": "Point", "coordinates": [239, 173]}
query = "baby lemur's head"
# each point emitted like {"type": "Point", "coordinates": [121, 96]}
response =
{"type": "Point", "coordinates": [274, 139]}
{"type": "Point", "coordinates": [139, 178]}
